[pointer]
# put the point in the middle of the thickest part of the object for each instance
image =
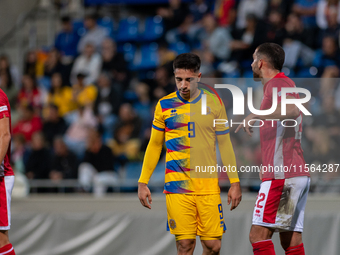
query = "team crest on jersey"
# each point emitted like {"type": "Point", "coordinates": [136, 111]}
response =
{"type": "Point", "coordinates": [173, 112]}
{"type": "Point", "coordinates": [172, 224]}
{"type": "Point", "coordinates": [208, 110]}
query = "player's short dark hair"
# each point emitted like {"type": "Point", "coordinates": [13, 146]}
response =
{"type": "Point", "coordinates": [274, 54]}
{"type": "Point", "coordinates": [188, 61]}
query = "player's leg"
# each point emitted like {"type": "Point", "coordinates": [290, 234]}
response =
{"type": "Point", "coordinates": [185, 246]}
{"type": "Point", "coordinates": [291, 241]}
{"type": "Point", "coordinates": [182, 221]}
{"type": "Point", "coordinates": [6, 186]}
{"type": "Point", "coordinates": [210, 221]}
{"type": "Point", "coordinates": [264, 217]}
{"type": "Point", "coordinates": [211, 247]}
{"type": "Point", "coordinates": [261, 239]}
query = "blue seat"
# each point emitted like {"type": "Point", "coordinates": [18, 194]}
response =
{"type": "Point", "coordinates": [78, 25]}
{"type": "Point", "coordinates": [153, 29]}
{"type": "Point", "coordinates": [180, 47]}
{"type": "Point", "coordinates": [128, 51]}
{"type": "Point", "coordinates": [146, 58]}
{"type": "Point", "coordinates": [128, 30]}
{"type": "Point", "coordinates": [108, 24]}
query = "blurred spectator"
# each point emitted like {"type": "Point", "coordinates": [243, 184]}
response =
{"type": "Point", "coordinates": [28, 124]}
{"type": "Point", "coordinates": [225, 12]}
{"type": "Point", "coordinates": [296, 31]}
{"type": "Point", "coordinates": [323, 149]}
{"type": "Point", "coordinates": [275, 31]}
{"type": "Point", "coordinates": [97, 167]}
{"type": "Point", "coordinates": [39, 160]}
{"type": "Point", "coordinates": [107, 103]}
{"type": "Point", "coordinates": [307, 10]}
{"type": "Point", "coordinates": [174, 15]}
{"type": "Point", "coordinates": [162, 84]}
{"type": "Point", "coordinates": [95, 34]}
{"type": "Point", "coordinates": [67, 40]}
{"type": "Point", "coordinates": [165, 55]}
{"type": "Point", "coordinates": [76, 134]}
{"type": "Point", "coordinates": [6, 84]}
{"type": "Point", "coordinates": [52, 64]}
{"type": "Point", "coordinates": [89, 63]}
{"type": "Point", "coordinates": [19, 153]}
{"type": "Point", "coordinates": [330, 117]}
{"type": "Point", "coordinates": [198, 9]}
{"type": "Point", "coordinates": [143, 105]}
{"type": "Point", "coordinates": [61, 96]}
{"type": "Point", "coordinates": [84, 95]}
{"type": "Point", "coordinates": [113, 61]}
{"type": "Point", "coordinates": [216, 39]}
{"type": "Point", "coordinates": [246, 7]}
{"type": "Point", "coordinates": [29, 93]}
{"type": "Point", "coordinates": [30, 65]}
{"type": "Point", "coordinates": [246, 40]}
{"type": "Point", "coordinates": [126, 143]}
{"type": "Point", "coordinates": [333, 25]}
{"type": "Point", "coordinates": [328, 56]}
{"type": "Point", "coordinates": [325, 9]}
{"type": "Point", "coordinates": [12, 72]}
{"type": "Point", "coordinates": [64, 163]}
{"type": "Point", "coordinates": [54, 125]}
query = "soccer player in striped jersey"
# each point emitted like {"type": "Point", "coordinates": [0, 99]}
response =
{"type": "Point", "coordinates": [193, 199]}
{"type": "Point", "coordinates": [283, 193]}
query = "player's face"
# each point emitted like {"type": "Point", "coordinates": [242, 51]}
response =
{"type": "Point", "coordinates": [255, 67]}
{"type": "Point", "coordinates": [186, 82]}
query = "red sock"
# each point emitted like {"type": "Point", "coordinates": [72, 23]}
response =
{"type": "Point", "coordinates": [265, 247]}
{"type": "Point", "coordinates": [296, 250]}
{"type": "Point", "coordinates": [7, 250]}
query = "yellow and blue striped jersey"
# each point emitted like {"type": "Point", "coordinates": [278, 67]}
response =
{"type": "Point", "coordinates": [190, 140]}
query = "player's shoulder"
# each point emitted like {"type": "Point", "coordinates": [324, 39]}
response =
{"type": "Point", "coordinates": [170, 96]}
{"type": "Point", "coordinates": [281, 80]}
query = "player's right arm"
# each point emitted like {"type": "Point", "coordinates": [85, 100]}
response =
{"type": "Point", "coordinates": [151, 157]}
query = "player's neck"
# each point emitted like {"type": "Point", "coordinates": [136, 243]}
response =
{"type": "Point", "coordinates": [268, 75]}
{"type": "Point", "coordinates": [194, 95]}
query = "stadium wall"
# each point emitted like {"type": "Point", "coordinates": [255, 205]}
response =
{"type": "Point", "coordinates": [119, 225]}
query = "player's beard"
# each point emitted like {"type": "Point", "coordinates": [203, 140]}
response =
{"type": "Point", "coordinates": [256, 75]}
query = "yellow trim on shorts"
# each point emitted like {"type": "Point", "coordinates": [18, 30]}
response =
{"type": "Point", "coordinates": [207, 238]}
{"type": "Point", "coordinates": [183, 237]}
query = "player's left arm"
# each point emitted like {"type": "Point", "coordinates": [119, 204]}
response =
{"type": "Point", "coordinates": [292, 112]}
{"type": "Point", "coordinates": [228, 158]}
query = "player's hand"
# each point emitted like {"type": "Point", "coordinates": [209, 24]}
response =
{"type": "Point", "coordinates": [144, 195]}
{"type": "Point", "coordinates": [234, 195]}
{"type": "Point", "coordinates": [248, 129]}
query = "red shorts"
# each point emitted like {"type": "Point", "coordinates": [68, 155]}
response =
{"type": "Point", "coordinates": [6, 186]}
{"type": "Point", "coordinates": [280, 204]}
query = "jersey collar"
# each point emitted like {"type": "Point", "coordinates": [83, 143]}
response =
{"type": "Point", "coordinates": [194, 101]}
{"type": "Point", "coordinates": [279, 75]}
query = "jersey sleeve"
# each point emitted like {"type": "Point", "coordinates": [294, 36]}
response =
{"type": "Point", "coordinates": [4, 111]}
{"type": "Point", "coordinates": [158, 120]}
{"type": "Point", "coordinates": [221, 122]}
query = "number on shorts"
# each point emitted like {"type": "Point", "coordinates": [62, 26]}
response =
{"type": "Point", "coordinates": [262, 197]}
{"type": "Point", "coordinates": [220, 210]}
